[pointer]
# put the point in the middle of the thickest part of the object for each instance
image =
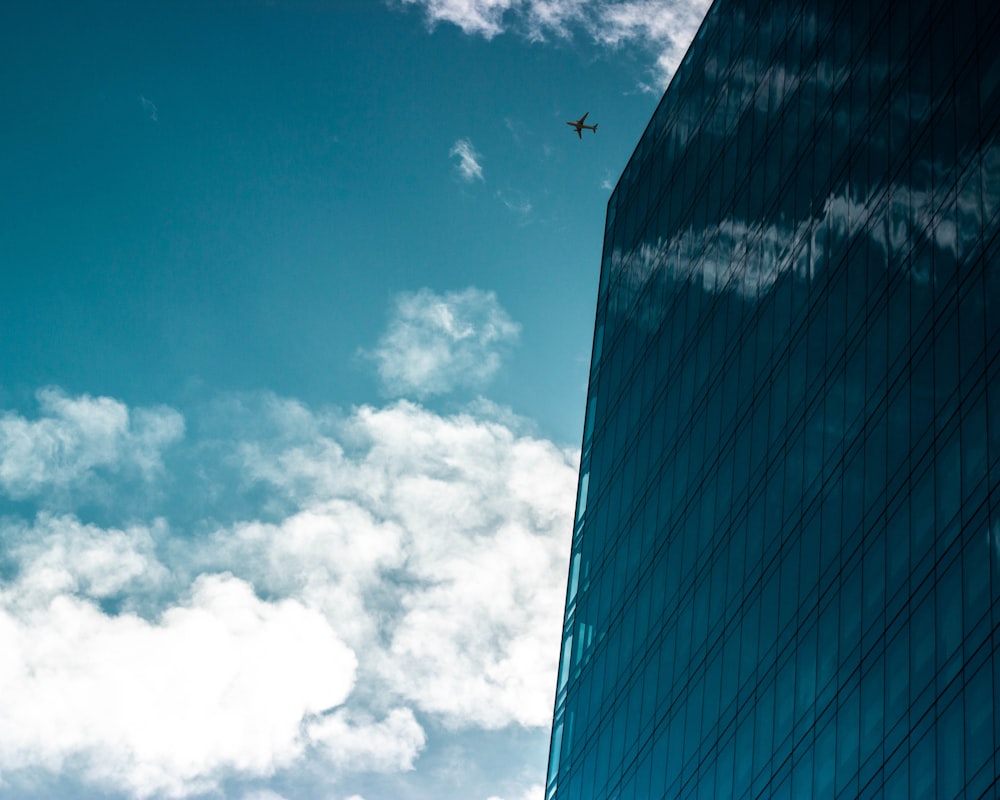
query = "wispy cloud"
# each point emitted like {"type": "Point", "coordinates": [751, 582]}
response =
{"type": "Point", "coordinates": [149, 107]}
{"type": "Point", "coordinates": [79, 440]}
{"type": "Point", "coordinates": [515, 202]}
{"type": "Point", "coordinates": [436, 343]}
{"type": "Point", "coordinates": [468, 165]}
{"type": "Point", "coordinates": [516, 128]}
{"type": "Point", "coordinates": [664, 27]}
{"type": "Point", "coordinates": [484, 17]}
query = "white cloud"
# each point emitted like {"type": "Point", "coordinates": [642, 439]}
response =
{"type": "Point", "coordinates": [418, 570]}
{"type": "Point", "coordinates": [472, 521]}
{"type": "Point", "coordinates": [536, 792]}
{"type": "Point", "coordinates": [439, 342]}
{"type": "Point", "coordinates": [468, 165]}
{"type": "Point", "coordinates": [76, 438]}
{"type": "Point", "coordinates": [484, 17]}
{"type": "Point", "coordinates": [330, 555]}
{"type": "Point", "coordinates": [60, 555]}
{"type": "Point", "coordinates": [472, 646]}
{"type": "Point", "coordinates": [360, 744]}
{"type": "Point", "coordinates": [665, 27]}
{"type": "Point", "coordinates": [219, 683]}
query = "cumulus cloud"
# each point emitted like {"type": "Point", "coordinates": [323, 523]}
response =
{"type": "Point", "coordinates": [360, 744]}
{"type": "Point", "coordinates": [60, 555]}
{"type": "Point", "coordinates": [436, 343]}
{"type": "Point", "coordinates": [664, 27]}
{"type": "Point", "coordinates": [471, 519]}
{"type": "Point", "coordinates": [218, 683]}
{"type": "Point", "coordinates": [468, 165]}
{"type": "Point", "coordinates": [417, 569]}
{"type": "Point", "coordinates": [76, 439]}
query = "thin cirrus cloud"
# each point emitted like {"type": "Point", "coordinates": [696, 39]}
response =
{"type": "Point", "coordinates": [415, 567]}
{"type": "Point", "coordinates": [516, 203]}
{"type": "Point", "coordinates": [468, 166]}
{"type": "Point", "coordinates": [664, 27]}
{"type": "Point", "coordinates": [149, 108]}
{"type": "Point", "coordinates": [436, 343]}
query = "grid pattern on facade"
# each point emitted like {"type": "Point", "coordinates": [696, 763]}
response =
{"type": "Point", "coordinates": [785, 575]}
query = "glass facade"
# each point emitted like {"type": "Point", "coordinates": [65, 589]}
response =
{"type": "Point", "coordinates": [785, 571]}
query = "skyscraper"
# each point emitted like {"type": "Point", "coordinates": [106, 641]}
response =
{"type": "Point", "coordinates": [785, 569]}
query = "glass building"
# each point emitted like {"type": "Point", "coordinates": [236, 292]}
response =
{"type": "Point", "coordinates": [785, 569]}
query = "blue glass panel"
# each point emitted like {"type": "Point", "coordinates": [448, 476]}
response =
{"type": "Point", "coordinates": [783, 582]}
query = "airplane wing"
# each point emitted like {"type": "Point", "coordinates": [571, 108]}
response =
{"type": "Point", "coordinates": [583, 118]}
{"type": "Point", "coordinates": [579, 132]}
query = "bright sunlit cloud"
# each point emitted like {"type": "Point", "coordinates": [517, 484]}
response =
{"type": "Point", "coordinates": [665, 27]}
{"type": "Point", "coordinates": [418, 568]}
{"type": "Point", "coordinates": [207, 452]}
{"type": "Point", "coordinates": [472, 520]}
{"type": "Point", "coordinates": [218, 683]}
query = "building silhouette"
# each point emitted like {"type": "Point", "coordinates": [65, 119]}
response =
{"type": "Point", "coordinates": [785, 569]}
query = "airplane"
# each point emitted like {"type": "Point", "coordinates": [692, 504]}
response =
{"type": "Point", "coordinates": [580, 126]}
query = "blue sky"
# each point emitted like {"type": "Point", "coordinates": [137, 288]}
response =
{"type": "Point", "coordinates": [295, 331]}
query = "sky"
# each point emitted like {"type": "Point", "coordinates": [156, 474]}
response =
{"type": "Point", "coordinates": [294, 334]}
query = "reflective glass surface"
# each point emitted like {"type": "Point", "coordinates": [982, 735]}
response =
{"type": "Point", "coordinates": [785, 571]}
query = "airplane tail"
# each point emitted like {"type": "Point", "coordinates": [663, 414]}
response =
{"type": "Point", "coordinates": [595, 127]}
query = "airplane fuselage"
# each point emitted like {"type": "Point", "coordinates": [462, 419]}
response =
{"type": "Point", "coordinates": [578, 126]}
